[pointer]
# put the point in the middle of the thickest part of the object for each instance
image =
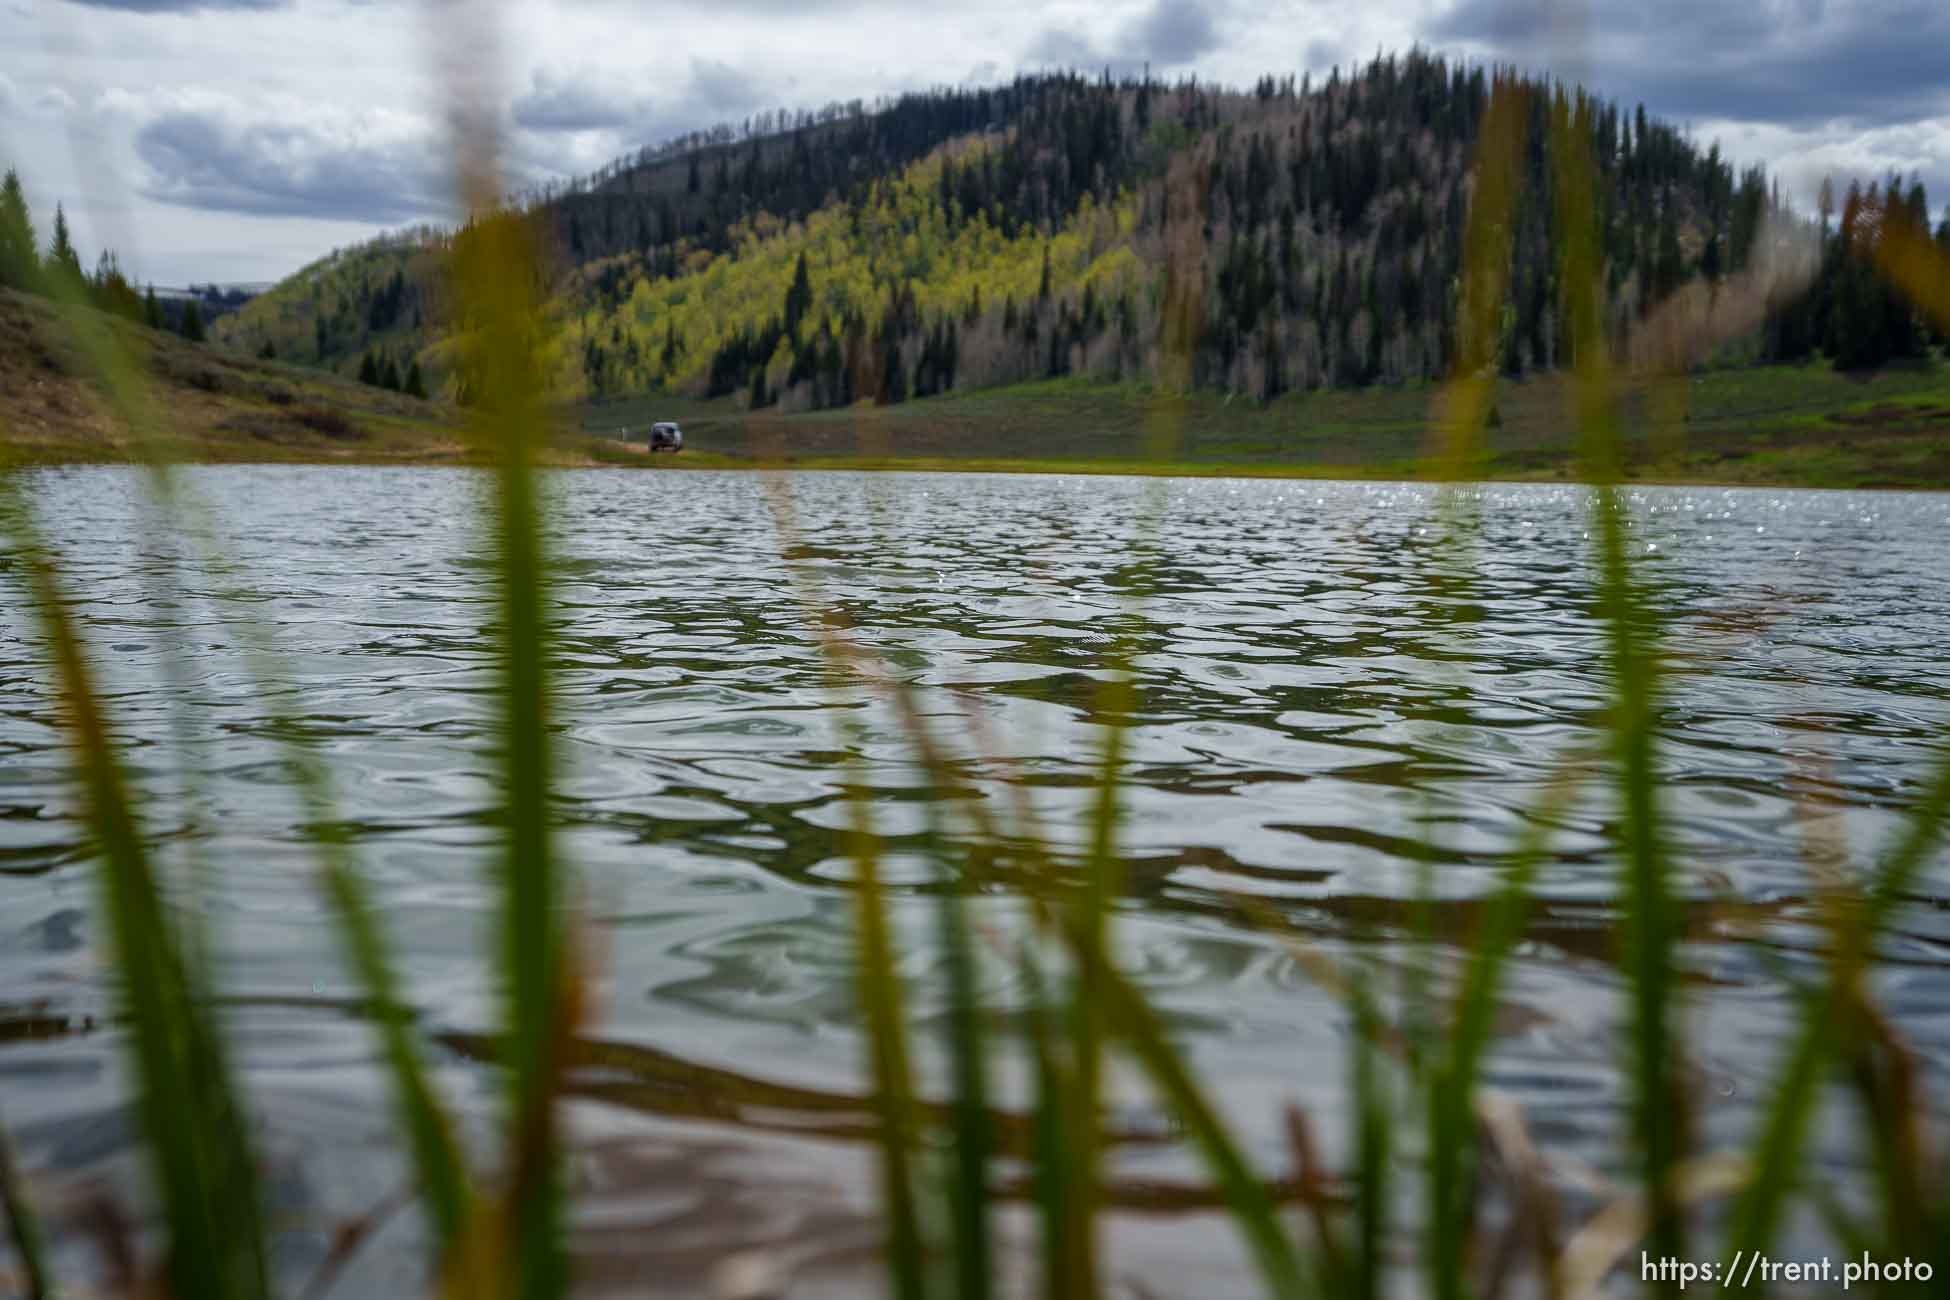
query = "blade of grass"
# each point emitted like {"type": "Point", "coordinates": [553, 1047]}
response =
{"type": "Point", "coordinates": [1453, 1076]}
{"type": "Point", "coordinates": [1461, 415]}
{"type": "Point", "coordinates": [23, 1226]}
{"type": "Point", "coordinates": [1090, 925]}
{"type": "Point", "coordinates": [1374, 1145]}
{"type": "Point", "coordinates": [443, 1180]}
{"type": "Point", "coordinates": [1651, 930]}
{"type": "Point", "coordinates": [477, 1267]}
{"type": "Point", "coordinates": [194, 1123]}
{"type": "Point", "coordinates": [1052, 1169]}
{"type": "Point", "coordinates": [1330, 1264]}
{"type": "Point", "coordinates": [1882, 1071]}
{"type": "Point", "coordinates": [1136, 1024]}
{"type": "Point", "coordinates": [496, 279]}
{"type": "Point", "coordinates": [880, 996]}
{"type": "Point", "coordinates": [973, 1141]}
{"type": "Point", "coordinates": [1776, 1157]}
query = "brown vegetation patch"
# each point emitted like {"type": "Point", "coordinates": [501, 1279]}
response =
{"type": "Point", "coordinates": [328, 422]}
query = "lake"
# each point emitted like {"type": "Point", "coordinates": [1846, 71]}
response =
{"type": "Point", "coordinates": [1328, 682]}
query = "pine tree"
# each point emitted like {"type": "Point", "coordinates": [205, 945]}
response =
{"type": "Point", "coordinates": [191, 326]}
{"type": "Point", "coordinates": [416, 386]}
{"type": "Point", "coordinates": [63, 267]}
{"type": "Point", "coordinates": [152, 312]}
{"type": "Point", "coordinates": [368, 370]}
{"type": "Point", "coordinates": [109, 290]}
{"type": "Point", "coordinates": [19, 258]}
{"type": "Point", "coordinates": [798, 299]}
{"type": "Point", "coordinates": [268, 352]}
{"type": "Point", "coordinates": [389, 376]}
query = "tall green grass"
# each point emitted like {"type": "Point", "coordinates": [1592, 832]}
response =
{"type": "Point", "coordinates": [1429, 1144]}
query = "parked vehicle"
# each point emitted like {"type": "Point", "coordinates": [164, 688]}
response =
{"type": "Point", "coordinates": [664, 435]}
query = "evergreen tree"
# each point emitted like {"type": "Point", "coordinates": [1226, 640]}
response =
{"type": "Point", "coordinates": [798, 299]}
{"type": "Point", "coordinates": [152, 312]}
{"type": "Point", "coordinates": [110, 291]}
{"type": "Point", "coordinates": [19, 258]}
{"type": "Point", "coordinates": [389, 376]}
{"type": "Point", "coordinates": [368, 370]}
{"type": "Point", "coordinates": [63, 268]}
{"type": "Point", "coordinates": [268, 352]}
{"type": "Point", "coordinates": [191, 326]}
{"type": "Point", "coordinates": [415, 385]}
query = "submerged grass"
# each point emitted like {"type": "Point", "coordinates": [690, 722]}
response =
{"type": "Point", "coordinates": [1415, 1062]}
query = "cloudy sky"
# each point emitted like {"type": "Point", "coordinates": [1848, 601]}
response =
{"type": "Point", "coordinates": [238, 139]}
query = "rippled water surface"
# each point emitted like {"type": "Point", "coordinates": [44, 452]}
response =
{"type": "Point", "coordinates": [1324, 687]}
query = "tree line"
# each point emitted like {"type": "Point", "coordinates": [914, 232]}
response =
{"type": "Point", "coordinates": [58, 272]}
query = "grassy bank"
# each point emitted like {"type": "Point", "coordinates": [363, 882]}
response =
{"type": "Point", "coordinates": [1802, 425]}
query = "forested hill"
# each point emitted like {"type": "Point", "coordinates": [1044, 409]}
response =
{"type": "Point", "coordinates": [974, 237]}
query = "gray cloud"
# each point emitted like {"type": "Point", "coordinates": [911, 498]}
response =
{"type": "Point", "coordinates": [1060, 47]}
{"type": "Point", "coordinates": [198, 159]}
{"type": "Point", "coordinates": [1172, 33]}
{"type": "Point", "coordinates": [1786, 61]}
{"type": "Point", "coordinates": [579, 103]}
{"type": "Point", "coordinates": [1325, 54]}
{"type": "Point", "coordinates": [721, 88]}
{"type": "Point", "coordinates": [618, 111]}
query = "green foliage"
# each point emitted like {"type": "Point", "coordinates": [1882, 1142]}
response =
{"type": "Point", "coordinates": [389, 294]}
{"type": "Point", "coordinates": [191, 326]}
{"type": "Point", "coordinates": [19, 255]}
{"type": "Point", "coordinates": [62, 269]}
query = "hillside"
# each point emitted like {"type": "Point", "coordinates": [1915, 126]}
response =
{"type": "Point", "coordinates": [208, 404]}
{"type": "Point", "coordinates": [967, 238]}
